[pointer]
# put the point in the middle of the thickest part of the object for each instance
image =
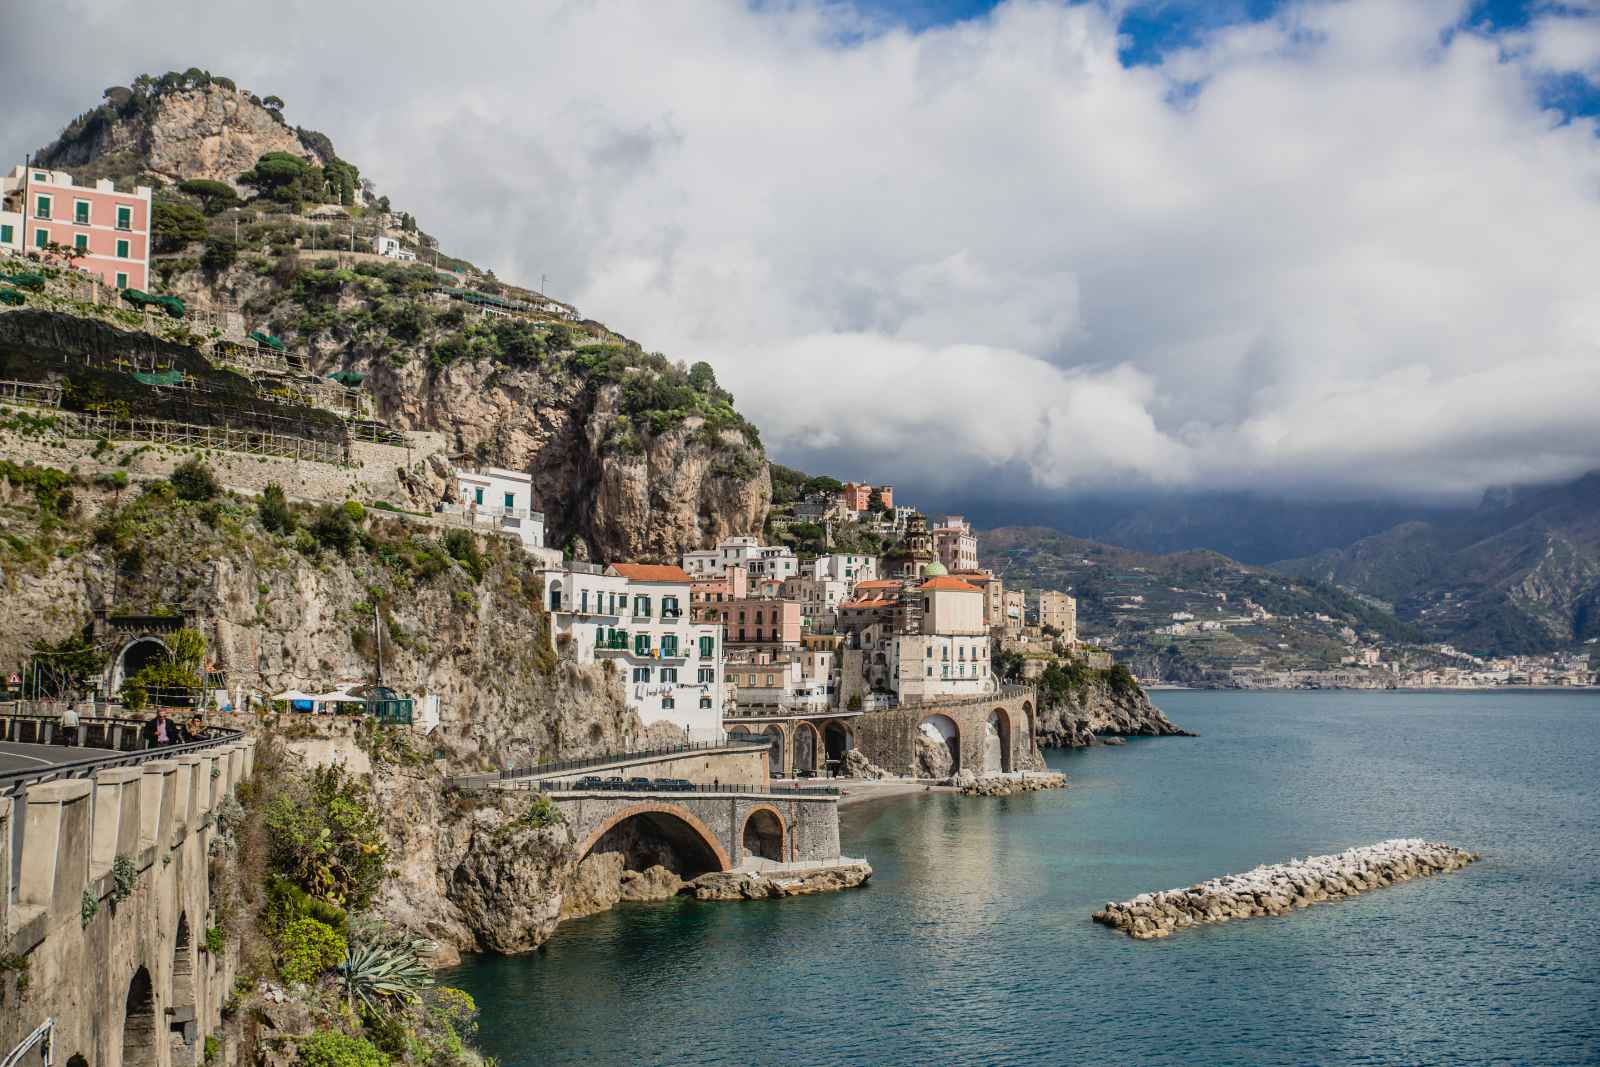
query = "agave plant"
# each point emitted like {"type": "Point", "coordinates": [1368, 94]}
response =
{"type": "Point", "coordinates": [380, 975]}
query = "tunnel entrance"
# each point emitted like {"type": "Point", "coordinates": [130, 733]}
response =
{"type": "Point", "coordinates": [181, 1017]}
{"type": "Point", "coordinates": [139, 1022]}
{"type": "Point", "coordinates": [660, 838]}
{"type": "Point", "coordinates": [836, 739]}
{"type": "Point", "coordinates": [805, 749]}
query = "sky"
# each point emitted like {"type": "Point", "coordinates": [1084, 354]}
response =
{"type": "Point", "coordinates": [1325, 248]}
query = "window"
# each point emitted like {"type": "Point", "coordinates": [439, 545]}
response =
{"type": "Point", "coordinates": [930, 672]}
{"type": "Point", "coordinates": [6, 235]}
{"type": "Point", "coordinates": [124, 217]}
{"type": "Point", "coordinates": [667, 703]}
{"type": "Point", "coordinates": [641, 674]}
{"type": "Point", "coordinates": [741, 616]}
{"type": "Point", "coordinates": [707, 647]}
{"type": "Point", "coordinates": [40, 176]}
{"type": "Point", "coordinates": [477, 497]}
{"type": "Point", "coordinates": [641, 644]}
{"type": "Point", "coordinates": [741, 633]}
{"type": "Point", "coordinates": [705, 702]}
{"type": "Point", "coordinates": [122, 280]}
{"type": "Point", "coordinates": [771, 681]}
{"type": "Point", "coordinates": [641, 606]}
{"type": "Point", "coordinates": [669, 607]}
{"type": "Point", "coordinates": [80, 212]}
{"type": "Point", "coordinates": [708, 675]}
{"type": "Point", "coordinates": [669, 674]}
{"type": "Point", "coordinates": [41, 238]}
{"type": "Point", "coordinates": [583, 601]}
{"type": "Point", "coordinates": [122, 249]}
{"type": "Point", "coordinates": [511, 501]}
{"type": "Point", "coordinates": [80, 241]}
{"type": "Point", "coordinates": [669, 644]}
{"type": "Point", "coordinates": [41, 208]}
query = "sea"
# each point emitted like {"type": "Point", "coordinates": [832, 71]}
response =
{"type": "Point", "coordinates": [973, 944]}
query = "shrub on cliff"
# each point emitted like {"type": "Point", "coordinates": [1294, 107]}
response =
{"type": "Point", "coordinates": [333, 528]}
{"type": "Point", "coordinates": [463, 548]}
{"type": "Point", "coordinates": [308, 948]}
{"type": "Point", "coordinates": [273, 508]}
{"type": "Point", "coordinates": [325, 836]}
{"type": "Point", "coordinates": [194, 481]}
{"type": "Point", "coordinates": [332, 1048]}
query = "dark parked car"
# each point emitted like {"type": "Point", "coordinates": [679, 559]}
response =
{"type": "Point", "coordinates": [591, 782]}
{"type": "Point", "coordinates": [613, 783]}
{"type": "Point", "coordinates": [641, 785]}
{"type": "Point", "coordinates": [677, 784]}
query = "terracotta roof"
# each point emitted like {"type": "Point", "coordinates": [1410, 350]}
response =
{"type": "Point", "coordinates": [864, 605]}
{"type": "Point", "coordinates": [946, 584]}
{"type": "Point", "coordinates": [880, 583]}
{"type": "Point", "coordinates": [651, 572]}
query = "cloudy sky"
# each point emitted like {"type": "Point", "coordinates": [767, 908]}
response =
{"type": "Point", "coordinates": [1035, 247]}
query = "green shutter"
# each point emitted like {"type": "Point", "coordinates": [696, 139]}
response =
{"type": "Point", "coordinates": [641, 645]}
{"type": "Point", "coordinates": [5, 234]}
{"type": "Point", "coordinates": [81, 240]}
{"type": "Point", "coordinates": [122, 249]}
{"type": "Point", "coordinates": [41, 238]}
{"type": "Point", "coordinates": [41, 207]}
{"type": "Point", "coordinates": [124, 218]}
{"type": "Point", "coordinates": [82, 213]}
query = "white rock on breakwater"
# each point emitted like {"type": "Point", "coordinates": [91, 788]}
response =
{"type": "Point", "coordinates": [1277, 888]}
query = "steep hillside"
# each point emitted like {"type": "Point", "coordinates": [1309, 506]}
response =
{"type": "Point", "coordinates": [632, 455]}
{"type": "Point", "coordinates": [1520, 574]}
{"type": "Point", "coordinates": [1225, 614]}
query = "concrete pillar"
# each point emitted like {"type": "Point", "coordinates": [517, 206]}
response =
{"type": "Point", "coordinates": [6, 815]}
{"type": "Point", "coordinates": [219, 778]}
{"type": "Point", "coordinates": [235, 766]}
{"type": "Point", "coordinates": [183, 797]}
{"type": "Point", "coordinates": [155, 802]}
{"type": "Point", "coordinates": [116, 817]}
{"type": "Point", "coordinates": [55, 847]}
{"type": "Point", "coordinates": [249, 757]}
{"type": "Point", "coordinates": [199, 788]}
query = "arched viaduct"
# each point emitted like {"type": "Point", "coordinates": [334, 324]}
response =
{"type": "Point", "coordinates": [987, 735]}
{"type": "Point", "coordinates": [105, 904]}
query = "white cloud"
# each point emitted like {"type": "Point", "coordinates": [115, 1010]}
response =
{"type": "Point", "coordinates": [1360, 256]}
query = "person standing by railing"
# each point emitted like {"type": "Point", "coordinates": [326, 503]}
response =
{"type": "Point", "coordinates": [160, 731]}
{"type": "Point", "coordinates": [69, 724]}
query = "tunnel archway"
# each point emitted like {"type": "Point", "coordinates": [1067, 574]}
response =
{"type": "Point", "coordinates": [836, 741]}
{"type": "Point", "coordinates": [139, 1022]}
{"type": "Point", "coordinates": [763, 834]}
{"type": "Point", "coordinates": [807, 744]}
{"type": "Point", "coordinates": [656, 833]}
{"type": "Point", "coordinates": [182, 1019]}
{"type": "Point", "coordinates": [555, 595]}
{"type": "Point", "coordinates": [135, 656]}
{"type": "Point", "coordinates": [776, 758]}
{"type": "Point", "coordinates": [997, 741]}
{"type": "Point", "coordinates": [939, 743]}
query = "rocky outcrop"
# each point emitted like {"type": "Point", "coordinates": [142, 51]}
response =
{"type": "Point", "coordinates": [508, 884]}
{"type": "Point", "coordinates": [1098, 709]}
{"type": "Point", "coordinates": [757, 885]}
{"type": "Point", "coordinates": [1276, 889]}
{"type": "Point", "coordinates": [213, 132]}
{"type": "Point", "coordinates": [673, 492]}
{"type": "Point", "coordinates": [654, 883]}
{"type": "Point", "coordinates": [931, 758]}
{"type": "Point", "coordinates": [1004, 785]}
{"type": "Point", "coordinates": [856, 765]}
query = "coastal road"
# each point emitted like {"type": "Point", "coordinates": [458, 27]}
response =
{"type": "Point", "coordinates": [19, 757]}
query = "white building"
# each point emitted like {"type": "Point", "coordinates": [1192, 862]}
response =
{"type": "Point", "coordinates": [797, 680]}
{"type": "Point", "coordinates": [391, 247]}
{"type": "Point", "coordinates": [774, 562]}
{"type": "Point", "coordinates": [760, 561]}
{"type": "Point", "coordinates": [637, 615]}
{"type": "Point", "coordinates": [852, 568]}
{"type": "Point", "coordinates": [948, 655]}
{"type": "Point", "coordinates": [819, 598]}
{"type": "Point", "coordinates": [503, 499]}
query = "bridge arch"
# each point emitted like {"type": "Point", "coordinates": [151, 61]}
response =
{"type": "Point", "coordinates": [133, 657]}
{"type": "Point", "coordinates": [181, 1001]}
{"type": "Point", "coordinates": [807, 746]}
{"type": "Point", "coordinates": [997, 741]}
{"type": "Point", "coordinates": [764, 834]}
{"type": "Point", "coordinates": [139, 1022]}
{"type": "Point", "coordinates": [944, 729]}
{"type": "Point", "coordinates": [1027, 713]}
{"type": "Point", "coordinates": [779, 739]}
{"type": "Point", "coordinates": [692, 840]}
{"type": "Point", "coordinates": [836, 740]}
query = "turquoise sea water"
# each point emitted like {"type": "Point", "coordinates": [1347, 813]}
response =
{"type": "Point", "coordinates": [972, 943]}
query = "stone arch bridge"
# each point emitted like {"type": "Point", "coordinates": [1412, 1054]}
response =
{"type": "Point", "coordinates": [117, 975]}
{"type": "Point", "coordinates": [710, 829]}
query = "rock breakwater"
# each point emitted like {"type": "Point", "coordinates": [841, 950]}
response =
{"type": "Point", "coordinates": [760, 885]}
{"type": "Point", "coordinates": [1004, 785]}
{"type": "Point", "coordinates": [1278, 888]}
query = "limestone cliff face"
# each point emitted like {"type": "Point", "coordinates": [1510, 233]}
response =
{"type": "Point", "coordinates": [673, 493]}
{"type": "Point", "coordinates": [213, 132]}
{"type": "Point", "coordinates": [1099, 709]}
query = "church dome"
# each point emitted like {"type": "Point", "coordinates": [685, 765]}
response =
{"type": "Point", "coordinates": [935, 570]}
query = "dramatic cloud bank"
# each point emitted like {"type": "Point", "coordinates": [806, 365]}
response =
{"type": "Point", "coordinates": [1343, 250]}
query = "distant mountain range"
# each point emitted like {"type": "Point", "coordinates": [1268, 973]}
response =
{"type": "Point", "coordinates": [1520, 573]}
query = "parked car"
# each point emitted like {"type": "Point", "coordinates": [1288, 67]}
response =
{"type": "Point", "coordinates": [673, 783]}
{"type": "Point", "coordinates": [641, 785]}
{"type": "Point", "coordinates": [593, 781]}
{"type": "Point", "coordinates": [613, 783]}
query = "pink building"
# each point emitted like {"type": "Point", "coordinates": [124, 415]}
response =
{"type": "Point", "coordinates": [858, 496]}
{"type": "Point", "coordinates": [760, 621]}
{"type": "Point", "coordinates": [956, 544]}
{"type": "Point", "coordinates": [39, 208]}
{"type": "Point", "coordinates": [709, 592]}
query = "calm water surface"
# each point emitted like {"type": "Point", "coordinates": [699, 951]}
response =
{"type": "Point", "coordinates": [972, 943]}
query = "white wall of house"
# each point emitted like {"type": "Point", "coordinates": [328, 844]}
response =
{"type": "Point", "coordinates": [494, 496]}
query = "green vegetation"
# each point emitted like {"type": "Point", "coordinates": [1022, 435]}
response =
{"type": "Point", "coordinates": [382, 975]}
{"type": "Point", "coordinates": [273, 510]}
{"type": "Point", "coordinates": [194, 481]}
{"type": "Point", "coordinates": [175, 224]}
{"type": "Point", "coordinates": [333, 1048]}
{"type": "Point", "coordinates": [326, 837]}
{"type": "Point", "coordinates": [308, 948]}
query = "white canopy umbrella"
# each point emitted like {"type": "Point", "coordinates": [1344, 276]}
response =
{"type": "Point", "coordinates": [335, 697]}
{"type": "Point", "coordinates": [294, 694]}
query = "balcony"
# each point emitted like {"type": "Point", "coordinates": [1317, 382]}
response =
{"type": "Point", "coordinates": [615, 644]}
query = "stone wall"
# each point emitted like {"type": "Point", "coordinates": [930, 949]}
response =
{"type": "Point", "coordinates": [810, 823]}
{"type": "Point", "coordinates": [127, 981]}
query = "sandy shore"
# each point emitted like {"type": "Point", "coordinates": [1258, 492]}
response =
{"type": "Point", "coordinates": [855, 792]}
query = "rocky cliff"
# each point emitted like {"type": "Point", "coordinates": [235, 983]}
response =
{"type": "Point", "coordinates": [212, 131]}
{"type": "Point", "coordinates": [1099, 709]}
